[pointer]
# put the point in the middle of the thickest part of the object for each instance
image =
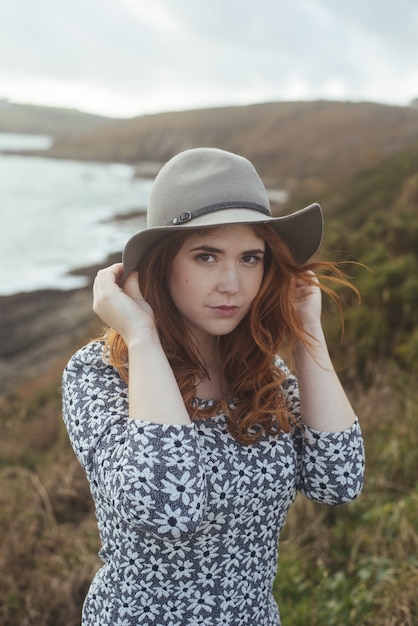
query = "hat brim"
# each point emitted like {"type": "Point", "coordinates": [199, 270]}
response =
{"type": "Point", "coordinates": [301, 231]}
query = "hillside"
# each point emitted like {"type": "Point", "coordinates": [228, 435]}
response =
{"type": "Point", "coordinates": [354, 565]}
{"type": "Point", "coordinates": [297, 146]}
{"type": "Point", "coordinates": [40, 120]}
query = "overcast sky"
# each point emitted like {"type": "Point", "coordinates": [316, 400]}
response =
{"type": "Point", "coordinates": [130, 57]}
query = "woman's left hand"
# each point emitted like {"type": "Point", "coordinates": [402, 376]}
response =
{"type": "Point", "coordinates": [324, 404]}
{"type": "Point", "coordinates": [307, 299]}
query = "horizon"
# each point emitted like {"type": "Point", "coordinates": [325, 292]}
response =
{"type": "Point", "coordinates": [5, 101]}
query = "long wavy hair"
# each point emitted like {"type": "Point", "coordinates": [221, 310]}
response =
{"type": "Point", "coordinates": [248, 355]}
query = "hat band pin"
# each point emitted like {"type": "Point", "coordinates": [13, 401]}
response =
{"type": "Point", "coordinates": [187, 216]}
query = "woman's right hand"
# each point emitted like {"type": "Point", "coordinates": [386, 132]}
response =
{"type": "Point", "coordinates": [123, 309]}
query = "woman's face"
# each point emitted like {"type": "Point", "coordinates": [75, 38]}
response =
{"type": "Point", "coordinates": [214, 278]}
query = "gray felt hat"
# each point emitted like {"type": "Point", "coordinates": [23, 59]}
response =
{"type": "Point", "coordinates": [206, 187]}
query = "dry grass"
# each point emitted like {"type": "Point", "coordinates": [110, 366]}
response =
{"type": "Point", "coordinates": [354, 565]}
{"type": "Point", "coordinates": [48, 532]}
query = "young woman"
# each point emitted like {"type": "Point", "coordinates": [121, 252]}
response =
{"type": "Point", "coordinates": [194, 435]}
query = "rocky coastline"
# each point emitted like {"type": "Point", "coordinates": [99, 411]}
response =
{"type": "Point", "coordinates": [39, 330]}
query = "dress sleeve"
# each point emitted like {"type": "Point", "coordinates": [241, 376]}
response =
{"type": "Point", "coordinates": [330, 466]}
{"type": "Point", "coordinates": [151, 474]}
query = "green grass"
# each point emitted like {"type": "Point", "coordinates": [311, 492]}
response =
{"type": "Point", "coordinates": [358, 564]}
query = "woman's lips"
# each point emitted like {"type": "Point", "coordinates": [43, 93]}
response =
{"type": "Point", "coordinates": [225, 311]}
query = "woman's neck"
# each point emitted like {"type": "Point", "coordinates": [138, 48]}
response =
{"type": "Point", "coordinates": [210, 388]}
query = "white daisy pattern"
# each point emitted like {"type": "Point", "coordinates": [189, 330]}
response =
{"type": "Point", "coordinates": [189, 518]}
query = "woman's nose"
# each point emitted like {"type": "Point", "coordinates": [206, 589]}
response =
{"type": "Point", "coordinates": [229, 281]}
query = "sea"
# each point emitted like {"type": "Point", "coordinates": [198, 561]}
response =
{"type": "Point", "coordinates": [61, 215]}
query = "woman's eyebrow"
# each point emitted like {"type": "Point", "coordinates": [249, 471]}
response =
{"type": "Point", "coordinates": [205, 248]}
{"type": "Point", "coordinates": [255, 251]}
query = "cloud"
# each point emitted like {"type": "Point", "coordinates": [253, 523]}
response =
{"type": "Point", "coordinates": [126, 56]}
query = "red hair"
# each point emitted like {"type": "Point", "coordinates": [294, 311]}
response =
{"type": "Point", "coordinates": [248, 355]}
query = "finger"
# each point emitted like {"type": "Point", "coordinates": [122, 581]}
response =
{"type": "Point", "coordinates": [300, 282]}
{"type": "Point", "coordinates": [131, 285]}
{"type": "Point", "coordinates": [107, 278]}
{"type": "Point", "coordinates": [112, 273]}
{"type": "Point", "coordinates": [115, 270]}
{"type": "Point", "coordinates": [307, 279]}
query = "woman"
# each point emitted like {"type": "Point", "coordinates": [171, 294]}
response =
{"type": "Point", "coordinates": [194, 435]}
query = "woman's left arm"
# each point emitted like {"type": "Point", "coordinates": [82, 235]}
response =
{"type": "Point", "coordinates": [324, 404]}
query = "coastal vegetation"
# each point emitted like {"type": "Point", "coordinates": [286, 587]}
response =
{"type": "Point", "coordinates": [355, 565]}
{"type": "Point", "coordinates": [358, 565]}
{"type": "Point", "coordinates": [296, 146]}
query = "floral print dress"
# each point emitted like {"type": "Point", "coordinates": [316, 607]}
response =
{"type": "Point", "coordinates": [189, 518]}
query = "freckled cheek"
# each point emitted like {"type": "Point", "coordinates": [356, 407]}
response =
{"type": "Point", "coordinates": [254, 281]}
{"type": "Point", "coordinates": [186, 286]}
{"type": "Point", "coordinates": [193, 282]}
{"type": "Point", "coordinates": [256, 288]}
{"type": "Point", "coordinates": [184, 281]}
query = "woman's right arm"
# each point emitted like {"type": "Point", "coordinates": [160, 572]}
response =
{"type": "Point", "coordinates": [154, 395]}
{"type": "Point", "coordinates": [149, 474]}
{"type": "Point", "coordinates": [138, 446]}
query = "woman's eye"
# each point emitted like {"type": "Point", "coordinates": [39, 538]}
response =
{"type": "Point", "coordinates": [251, 259]}
{"type": "Point", "coordinates": [205, 257]}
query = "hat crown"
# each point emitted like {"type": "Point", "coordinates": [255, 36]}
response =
{"type": "Point", "coordinates": [203, 177]}
{"type": "Point", "coordinates": [209, 187]}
